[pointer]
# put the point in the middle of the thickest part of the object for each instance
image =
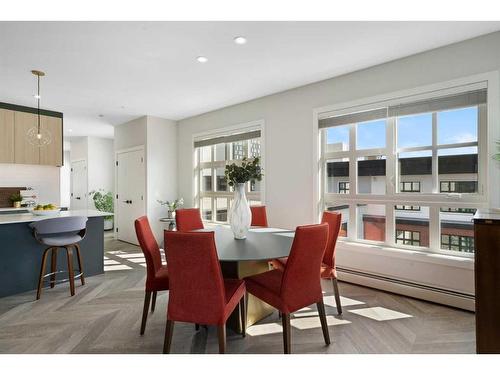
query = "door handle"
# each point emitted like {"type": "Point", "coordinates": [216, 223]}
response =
{"type": "Point", "coordinates": [78, 198]}
{"type": "Point", "coordinates": [127, 201]}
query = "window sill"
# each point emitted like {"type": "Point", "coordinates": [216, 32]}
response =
{"type": "Point", "coordinates": [412, 255]}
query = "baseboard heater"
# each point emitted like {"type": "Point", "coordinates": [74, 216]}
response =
{"type": "Point", "coordinates": [425, 292]}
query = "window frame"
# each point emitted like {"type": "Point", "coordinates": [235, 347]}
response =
{"type": "Point", "coordinates": [198, 166]}
{"type": "Point", "coordinates": [433, 200]}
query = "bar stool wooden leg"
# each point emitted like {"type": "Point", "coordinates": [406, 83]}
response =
{"type": "Point", "coordinates": [53, 267]}
{"type": "Point", "coordinates": [42, 272]}
{"type": "Point", "coordinates": [221, 332]}
{"type": "Point", "coordinates": [80, 263]}
{"type": "Point", "coordinates": [71, 273]}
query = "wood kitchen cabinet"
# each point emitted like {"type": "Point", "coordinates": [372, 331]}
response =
{"type": "Point", "coordinates": [6, 136]}
{"type": "Point", "coordinates": [52, 154]}
{"type": "Point", "coordinates": [25, 153]}
{"type": "Point", "coordinates": [15, 121]}
{"type": "Point", "coordinates": [487, 281]}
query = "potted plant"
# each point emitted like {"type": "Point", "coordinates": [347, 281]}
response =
{"type": "Point", "coordinates": [16, 200]}
{"type": "Point", "coordinates": [172, 206]}
{"type": "Point", "coordinates": [240, 216]}
{"type": "Point", "coordinates": [103, 201]}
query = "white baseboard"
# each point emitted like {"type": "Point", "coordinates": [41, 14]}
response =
{"type": "Point", "coordinates": [441, 296]}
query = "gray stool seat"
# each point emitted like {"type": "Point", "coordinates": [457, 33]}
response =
{"type": "Point", "coordinates": [60, 232]}
{"type": "Point", "coordinates": [61, 240]}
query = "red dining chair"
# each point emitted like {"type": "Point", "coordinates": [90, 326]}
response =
{"type": "Point", "coordinates": [299, 285]}
{"type": "Point", "coordinates": [157, 274]}
{"type": "Point", "coordinates": [188, 219]}
{"type": "Point", "coordinates": [198, 292]}
{"type": "Point", "coordinates": [259, 216]}
{"type": "Point", "coordinates": [328, 270]}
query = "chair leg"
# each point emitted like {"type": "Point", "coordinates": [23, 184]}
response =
{"type": "Point", "coordinates": [324, 324]}
{"type": "Point", "coordinates": [197, 326]}
{"type": "Point", "coordinates": [80, 263]}
{"type": "Point", "coordinates": [147, 299]}
{"type": "Point", "coordinates": [221, 331]}
{"type": "Point", "coordinates": [285, 319]}
{"type": "Point", "coordinates": [53, 267]}
{"type": "Point", "coordinates": [243, 316]}
{"type": "Point", "coordinates": [337, 296]}
{"type": "Point", "coordinates": [169, 331]}
{"type": "Point", "coordinates": [42, 272]}
{"type": "Point", "coordinates": [153, 302]}
{"type": "Point", "coordinates": [71, 272]}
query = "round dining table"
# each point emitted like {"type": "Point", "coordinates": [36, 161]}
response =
{"type": "Point", "coordinates": [250, 256]}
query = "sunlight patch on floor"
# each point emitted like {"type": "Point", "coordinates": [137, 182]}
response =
{"type": "Point", "coordinates": [314, 322]}
{"type": "Point", "coordinates": [109, 262]}
{"type": "Point", "coordinates": [116, 267]}
{"type": "Point", "coordinates": [344, 301]}
{"type": "Point", "coordinates": [130, 256]}
{"type": "Point", "coordinates": [264, 329]}
{"type": "Point", "coordinates": [380, 314]}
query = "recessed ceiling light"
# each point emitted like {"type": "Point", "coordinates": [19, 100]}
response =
{"type": "Point", "coordinates": [240, 40]}
{"type": "Point", "coordinates": [36, 96]}
{"type": "Point", "coordinates": [201, 59]}
{"type": "Point", "coordinates": [70, 130]}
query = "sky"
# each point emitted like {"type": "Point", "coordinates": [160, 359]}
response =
{"type": "Point", "coordinates": [454, 126]}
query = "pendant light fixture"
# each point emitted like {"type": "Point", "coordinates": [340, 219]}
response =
{"type": "Point", "coordinates": [36, 135]}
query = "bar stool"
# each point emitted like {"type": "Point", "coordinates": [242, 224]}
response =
{"type": "Point", "coordinates": [60, 232]}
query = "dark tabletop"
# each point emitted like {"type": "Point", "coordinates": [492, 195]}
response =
{"type": "Point", "coordinates": [260, 244]}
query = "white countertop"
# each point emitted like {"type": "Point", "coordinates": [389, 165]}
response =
{"type": "Point", "coordinates": [28, 217]}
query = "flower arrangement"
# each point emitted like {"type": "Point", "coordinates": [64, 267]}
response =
{"type": "Point", "coordinates": [172, 206]}
{"type": "Point", "coordinates": [247, 171]}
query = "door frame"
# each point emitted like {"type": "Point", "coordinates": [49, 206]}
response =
{"type": "Point", "coordinates": [123, 151]}
{"type": "Point", "coordinates": [86, 181]}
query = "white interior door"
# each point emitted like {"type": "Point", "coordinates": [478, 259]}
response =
{"type": "Point", "coordinates": [130, 193]}
{"type": "Point", "coordinates": [79, 191]}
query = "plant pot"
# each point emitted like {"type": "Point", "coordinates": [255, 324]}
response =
{"type": "Point", "coordinates": [108, 224]}
{"type": "Point", "coordinates": [16, 204]}
{"type": "Point", "coordinates": [240, 216]}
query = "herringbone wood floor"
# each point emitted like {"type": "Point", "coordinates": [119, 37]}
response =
{"type": "Point", "coordinates": [104, 317]}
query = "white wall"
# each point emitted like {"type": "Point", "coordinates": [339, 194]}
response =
{"type": "Point", "coordinates": [100, 164]}
{"type": "Point", "coordinates": [130, 134]}
{"type": "Point", "coordinates": [289, 127]}
{"type": "Point", "coordinates": [161, 164]}
{"type": "Point", "coordinates": [65, 180]}
{"type": "Point", "coordinates": [43, 178]}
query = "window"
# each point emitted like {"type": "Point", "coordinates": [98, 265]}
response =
{"type": "Point", "coordinates": [390, 165]}
{"type": "Point", "coordinates": [457, 243]}
{"type": "Point", "coordinates": [458, 186]}
{"type": "Point", "coordinates": [408, 237]}
{"type": "Point", "coordinates": [213, 195]}
{"type": "Point", "coordinates": [344, 187]}
{"type": "Point", "coordinates": [409, 187]}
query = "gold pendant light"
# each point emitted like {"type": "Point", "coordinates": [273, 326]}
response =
{"type": "Point", "coordinates": [36, 135]}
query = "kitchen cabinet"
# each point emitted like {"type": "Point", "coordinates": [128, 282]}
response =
{"type": "Point", "coordinates": [6, 136]}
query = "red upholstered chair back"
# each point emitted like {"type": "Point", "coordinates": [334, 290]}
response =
{"type": "Point", "coordinates": [149, 246]}
{"type": "Point", "coordinates": [334, 220]}
{"type": "Point", "coordinates": [188, 219]}
{"type": "Point", "coordinates": [259, 216]}
{"type": "Point", "coordinates": [301, 283]}
{"type": "Point", "coordinates": [197, 292]}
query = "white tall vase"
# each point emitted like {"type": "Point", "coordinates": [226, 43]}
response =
{"type": "Point", "coordinates": [240, 216]}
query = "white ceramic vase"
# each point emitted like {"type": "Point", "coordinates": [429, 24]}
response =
{"type": "Point", "coordinates": [240, 216]}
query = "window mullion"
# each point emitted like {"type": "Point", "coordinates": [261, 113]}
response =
{"type": "Point", "coordinates": [435, 166]}
{"type": "Point", "coordinates": [434, 228]}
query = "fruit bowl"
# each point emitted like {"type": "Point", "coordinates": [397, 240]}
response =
{"type": "Point", "coordinates": [45, 212]}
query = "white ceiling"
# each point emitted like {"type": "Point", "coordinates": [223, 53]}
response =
{"type": "Point", "coordinates": [123, 70]}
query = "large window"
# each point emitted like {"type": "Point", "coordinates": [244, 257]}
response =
{"type": "Point", "coordinates": [391, 165]}
{"type": "Point", "coordinates": [213, 195]}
